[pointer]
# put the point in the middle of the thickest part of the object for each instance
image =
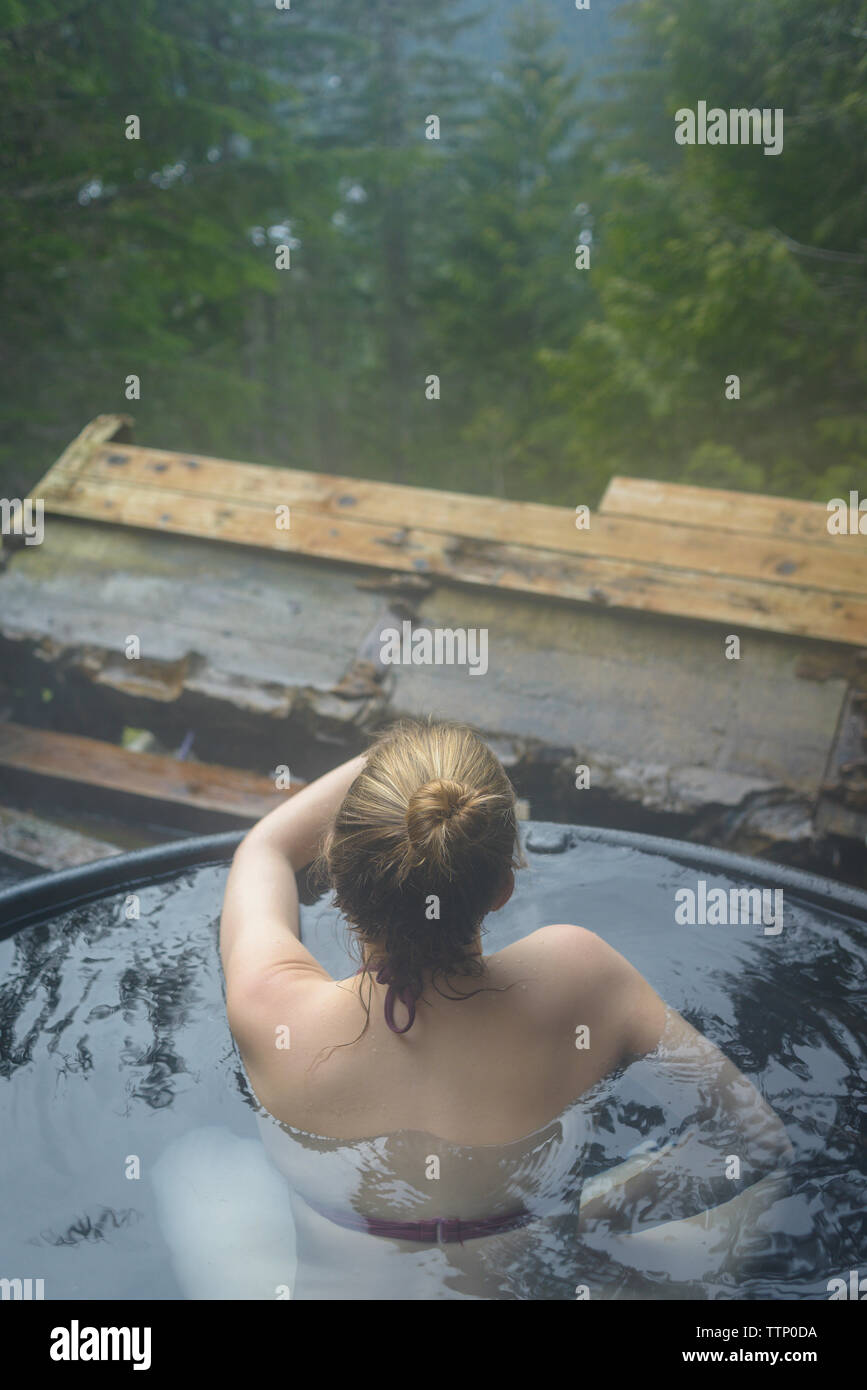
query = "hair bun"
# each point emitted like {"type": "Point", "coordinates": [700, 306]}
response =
{"type": "Point", "coordinates": [435, 804]}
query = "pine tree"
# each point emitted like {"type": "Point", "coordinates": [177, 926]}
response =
{"type": "Point", "coordinates": [130, 256]}
{"type": "Point", "coordinates": [509, 293]}
{"type": "Point", "coordinates": [391, 66]}
{"type": "Point", "coordinates": [721, 260]}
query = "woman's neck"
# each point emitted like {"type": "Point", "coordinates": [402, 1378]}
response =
{"type": "Point", "coordinates": [370, 956]}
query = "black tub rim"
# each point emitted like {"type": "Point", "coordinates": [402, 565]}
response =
{"type": "Point", "coordinates": [30, 902]}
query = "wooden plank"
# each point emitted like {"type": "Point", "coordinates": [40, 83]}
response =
{"type": "Point", "coordinates": [662, 725]}
{"type": "Point", "coordinates": [325, 494]}
{"type": "Point", "coordinates": [744, 512]}
{"type": "Point", "coordinates": [773, 560]}
{"type": "Point", "coordinates": [37, 841]}
{"type": "Point", "coordinates": [76, 454]}
{"type": "Point", "coordinates": [152, 776]}
{"type": "Point", "coordinates": [650, 588]}
{"type": "Point", "coordinates": [249, 523]}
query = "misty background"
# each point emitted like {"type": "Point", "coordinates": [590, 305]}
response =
{"type": "Point", "coordinates": [412, 257]}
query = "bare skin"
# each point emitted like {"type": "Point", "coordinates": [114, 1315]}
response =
{"type": "Point", "coordinates": [489, 1070]}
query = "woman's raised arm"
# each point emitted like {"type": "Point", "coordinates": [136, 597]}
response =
{"type": "Point", "coordinates": [259, 923]}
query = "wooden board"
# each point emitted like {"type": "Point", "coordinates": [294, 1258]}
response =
{"type": "Point", "coordinates": [777, 583]}
{"type": "Point", "coordinates": [747, 513]}
{"type": "Point", "coordinates": [254, 643]}
{"type": "Point", "coordinates": [36, 841]}
{"type": "Point", "coordinates": [772, 559]}
{"type": "Point", "coordinates": [156, 777]}
{"type": "Point", "coordinates": [387, 504]}
{"type": "Point", "coordinates": [671, 592]}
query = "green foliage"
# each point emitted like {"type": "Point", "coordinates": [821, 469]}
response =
{"type": "Point", "coordinates": [455, 257]}
{"type": "Point", "coordinates": [506, 291]}
{"type": "Point", "coordinates": [721, 260]}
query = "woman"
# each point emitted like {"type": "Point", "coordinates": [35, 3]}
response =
{"type": "Point", "coordinates": [424, 1109]}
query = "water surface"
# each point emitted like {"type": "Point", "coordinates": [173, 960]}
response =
{"type": "Point", "coordinates": [115, 1052]}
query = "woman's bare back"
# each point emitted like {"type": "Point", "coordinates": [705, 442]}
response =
{"type": "Point", "coordinates": [473, 1083]}
{"type": "Point", "coordinates": [558, 1011]}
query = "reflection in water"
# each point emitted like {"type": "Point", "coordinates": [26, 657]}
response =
{"type": "Point", "coordinates": [114, 1047]}
{"type": "Point", "coordinates": [86, 1227]}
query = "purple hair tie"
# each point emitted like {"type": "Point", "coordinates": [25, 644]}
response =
{"type": "Point", "coordinates": [385, 976]}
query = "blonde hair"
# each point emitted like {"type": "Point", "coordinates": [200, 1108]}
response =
{"type": "Point", "coordinates": [420, 847]}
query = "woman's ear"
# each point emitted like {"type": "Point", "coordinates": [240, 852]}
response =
{"type": "Point", "coordinates": [504, 894]}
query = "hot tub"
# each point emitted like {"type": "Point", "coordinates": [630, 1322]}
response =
{"type": "Point", "coordinates": [114, 1044]}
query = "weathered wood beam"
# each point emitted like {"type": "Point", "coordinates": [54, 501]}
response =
{"type": "Point", "coordinates": [776, 559]}
{"type": "Point", "coordinates": [723, 557]}
{"type": "Point", "coordinates": [151, 777]}
{"type": "Point", "coordinates": [97, 431]}
{"type": "Point", "coordinates": [37, 841]}
{"type": "Point", "coordinates": [827, 616]}
{"type": "Point", "coordinates": [747, 513]}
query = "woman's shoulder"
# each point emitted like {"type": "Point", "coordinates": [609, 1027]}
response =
{"type": "Point", "coordinates": [581, 972]}
{"type": "Point", "coordinates": [564, 961]}
{"type": "Point", "coordinates": [561, 945]}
